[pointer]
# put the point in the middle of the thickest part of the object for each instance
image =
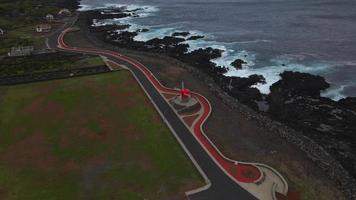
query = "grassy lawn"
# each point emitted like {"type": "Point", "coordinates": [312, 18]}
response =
{"type": "Point", "coordinates": [19, 34]}
{"type": "Point", "coordinates": [89, 61]}
{"type": "Point", "coordinates": [93, 137]}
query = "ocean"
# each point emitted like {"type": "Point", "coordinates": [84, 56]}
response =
{"type": "Point", "coordinates": [313, 36]}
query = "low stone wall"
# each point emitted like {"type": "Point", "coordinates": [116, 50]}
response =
{"type": "Point", "coordinates": [45, 76]}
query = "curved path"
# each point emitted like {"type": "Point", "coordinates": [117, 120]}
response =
{"type": "Point", "coordinates": [223, 175]}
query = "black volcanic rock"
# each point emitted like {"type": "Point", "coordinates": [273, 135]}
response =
{"type": "Point", "coordinates": [144, 30]}
{"type": "Point", "coordinates": [195, 37]}
{"type": "Point", "coordinates": [201, 58]}
{"type": "Point", "coordinates": [238, 63]}
{"type": "Point", "coordinates": [348, 103]}
{"type": "Point", "coordinates": [109, 27]}
{"type": "Point", "coordinates": [184, 34]}
{"type": "Point", "coordinates": [169, 45]}
{"type": "Point", "coordinates": [99, 14]}
{"type": "Point", "coordinates": [295, 101]}
{"type": "Point", "coordinates": [296, 83]}
{"type": "Point", "coordinates": [241, 89]}
{"type": "Point", "coordinates": [167, 41]}
{"type": "Point", "coordinates": [134, 10]}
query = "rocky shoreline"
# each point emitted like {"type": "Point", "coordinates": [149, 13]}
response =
{"type": "Point", "coordinates": [321, 127]}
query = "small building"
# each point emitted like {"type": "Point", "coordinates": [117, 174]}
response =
{"type": "Point", "coordinates": [64, 12]}
{"type": "Point", "coordinates": [43, 28]}
{"type": "Point", "coordinates": [49, 17]}
{"type": "Point", "coordinates": [21, 51]}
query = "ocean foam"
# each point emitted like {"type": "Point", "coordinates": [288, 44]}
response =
{"type": "Point", "coordinates": [154, 33]}
{"type": "Point", "coordinates": [271, 73]}
{"type": "Point", "coordinates": [334, 92]}
{"type": "Point", "coordinates": [230, 50]}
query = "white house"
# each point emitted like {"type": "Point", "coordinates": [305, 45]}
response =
{"type": "Point", "coordinates": [21, 51]}
{"type": "Point", "coordinates": [49, 17]}
{"type": "Point", "coordinates": [43, 28]}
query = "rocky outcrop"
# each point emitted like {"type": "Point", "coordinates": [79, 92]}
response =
{"type": "Point", "coordinates": [295, 100]}
{"type": "Point", "coordinates": [109, 14]}
{"type": "Point", "coordinates": [240, 88]}
{"type": "Point", "coordinates": [348, 103]}
{"type": "Point", "coordinates": [238, 63]}
{"type": "Point", "coordinates": [196, 37]}
{"type": "Point", "coordinates": [183, 34]}
{"type": "Point", "coordinates": [296, 83]}
{"type": "Point", "coordinates": [109, 28]}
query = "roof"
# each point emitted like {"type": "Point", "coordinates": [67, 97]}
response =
{"type": "Point", "coordinates": [22, 48]}
{"type": "Point", "coordinates": [43, 26]}
{"type": "Point", "coordinates": [64, 10]}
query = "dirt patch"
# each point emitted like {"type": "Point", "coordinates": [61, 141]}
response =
{"type": "Point", "coordinates": [190, 119]}
{"type": "Point", "coordinates": [168, 96]}
{"type": "Point", "coordinates": [114, 66]}
{"type": "Point", "coordinates": [32, 151]}
{"type": "Point", "coordinates": [3, 194]}
{"type": "Point", "coordinates": [292, 195]}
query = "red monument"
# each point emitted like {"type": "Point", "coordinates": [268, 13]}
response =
{"type": "Point", "coordinates": [185, 93]}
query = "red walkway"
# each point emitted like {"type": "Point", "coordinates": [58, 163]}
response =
{"type": "Point", "coordinates": [240, 172]}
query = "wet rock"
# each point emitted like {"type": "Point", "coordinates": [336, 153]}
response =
{"type": "Point", "coordinates": [184, 34]}
{"type": "Point", "coordinates": [200, 58]}
{"type": "Point", "coordinates": [238, 63]}
{"type": "Point", "coordinates": [240, 88]}
{"type": "Point", "coordinates": [195, 37]}
{"type": "Point", "coordinates": [109, 28]}
{"type": "Point", "coordinates": [348, 103]}
{"type": "Point", "coordinates": [303, 84]}
{"type": "Point", "coordinates": [295, 100]}
{"type": "Point", "coordinates": [143, 30]}
{"type": "Point", "coordinates": [114, 13]}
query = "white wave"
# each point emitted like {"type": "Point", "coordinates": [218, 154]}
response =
{"type": "Point", "coordinates": [230, 52]}
{"type": "Point", "coordinates": [271, 73]}
{"type": "Point", "coordinates": [230, 55]}
{"type": "Point", "coordinates": [140, 10]}
{"type": "Point", "coordinates": [85, 7]}
{"type": "Point", "coordinates": [334, 92]}
{"type": "Point", "coordinates": [154, 33]}
{"type": "Point", "coordinates": [205, 43]}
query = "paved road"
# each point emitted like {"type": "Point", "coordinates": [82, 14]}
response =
{"type": "Point", "coordinates": [222, 187]}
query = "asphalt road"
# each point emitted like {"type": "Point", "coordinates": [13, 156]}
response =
{"type": "Point", "coordinates": [222, 187]}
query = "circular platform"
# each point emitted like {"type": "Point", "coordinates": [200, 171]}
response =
{"type": "Point", "coordinates": [186, 102]}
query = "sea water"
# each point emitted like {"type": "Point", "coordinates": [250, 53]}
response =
{"type": "Point", "coordinates": [313, 36]}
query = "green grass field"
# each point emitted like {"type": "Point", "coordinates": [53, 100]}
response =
{"type": "Point", "coordinates": [93, 137]}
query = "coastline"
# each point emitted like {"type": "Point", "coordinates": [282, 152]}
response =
{"type": "Point", "coordinates": [313, 150]}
